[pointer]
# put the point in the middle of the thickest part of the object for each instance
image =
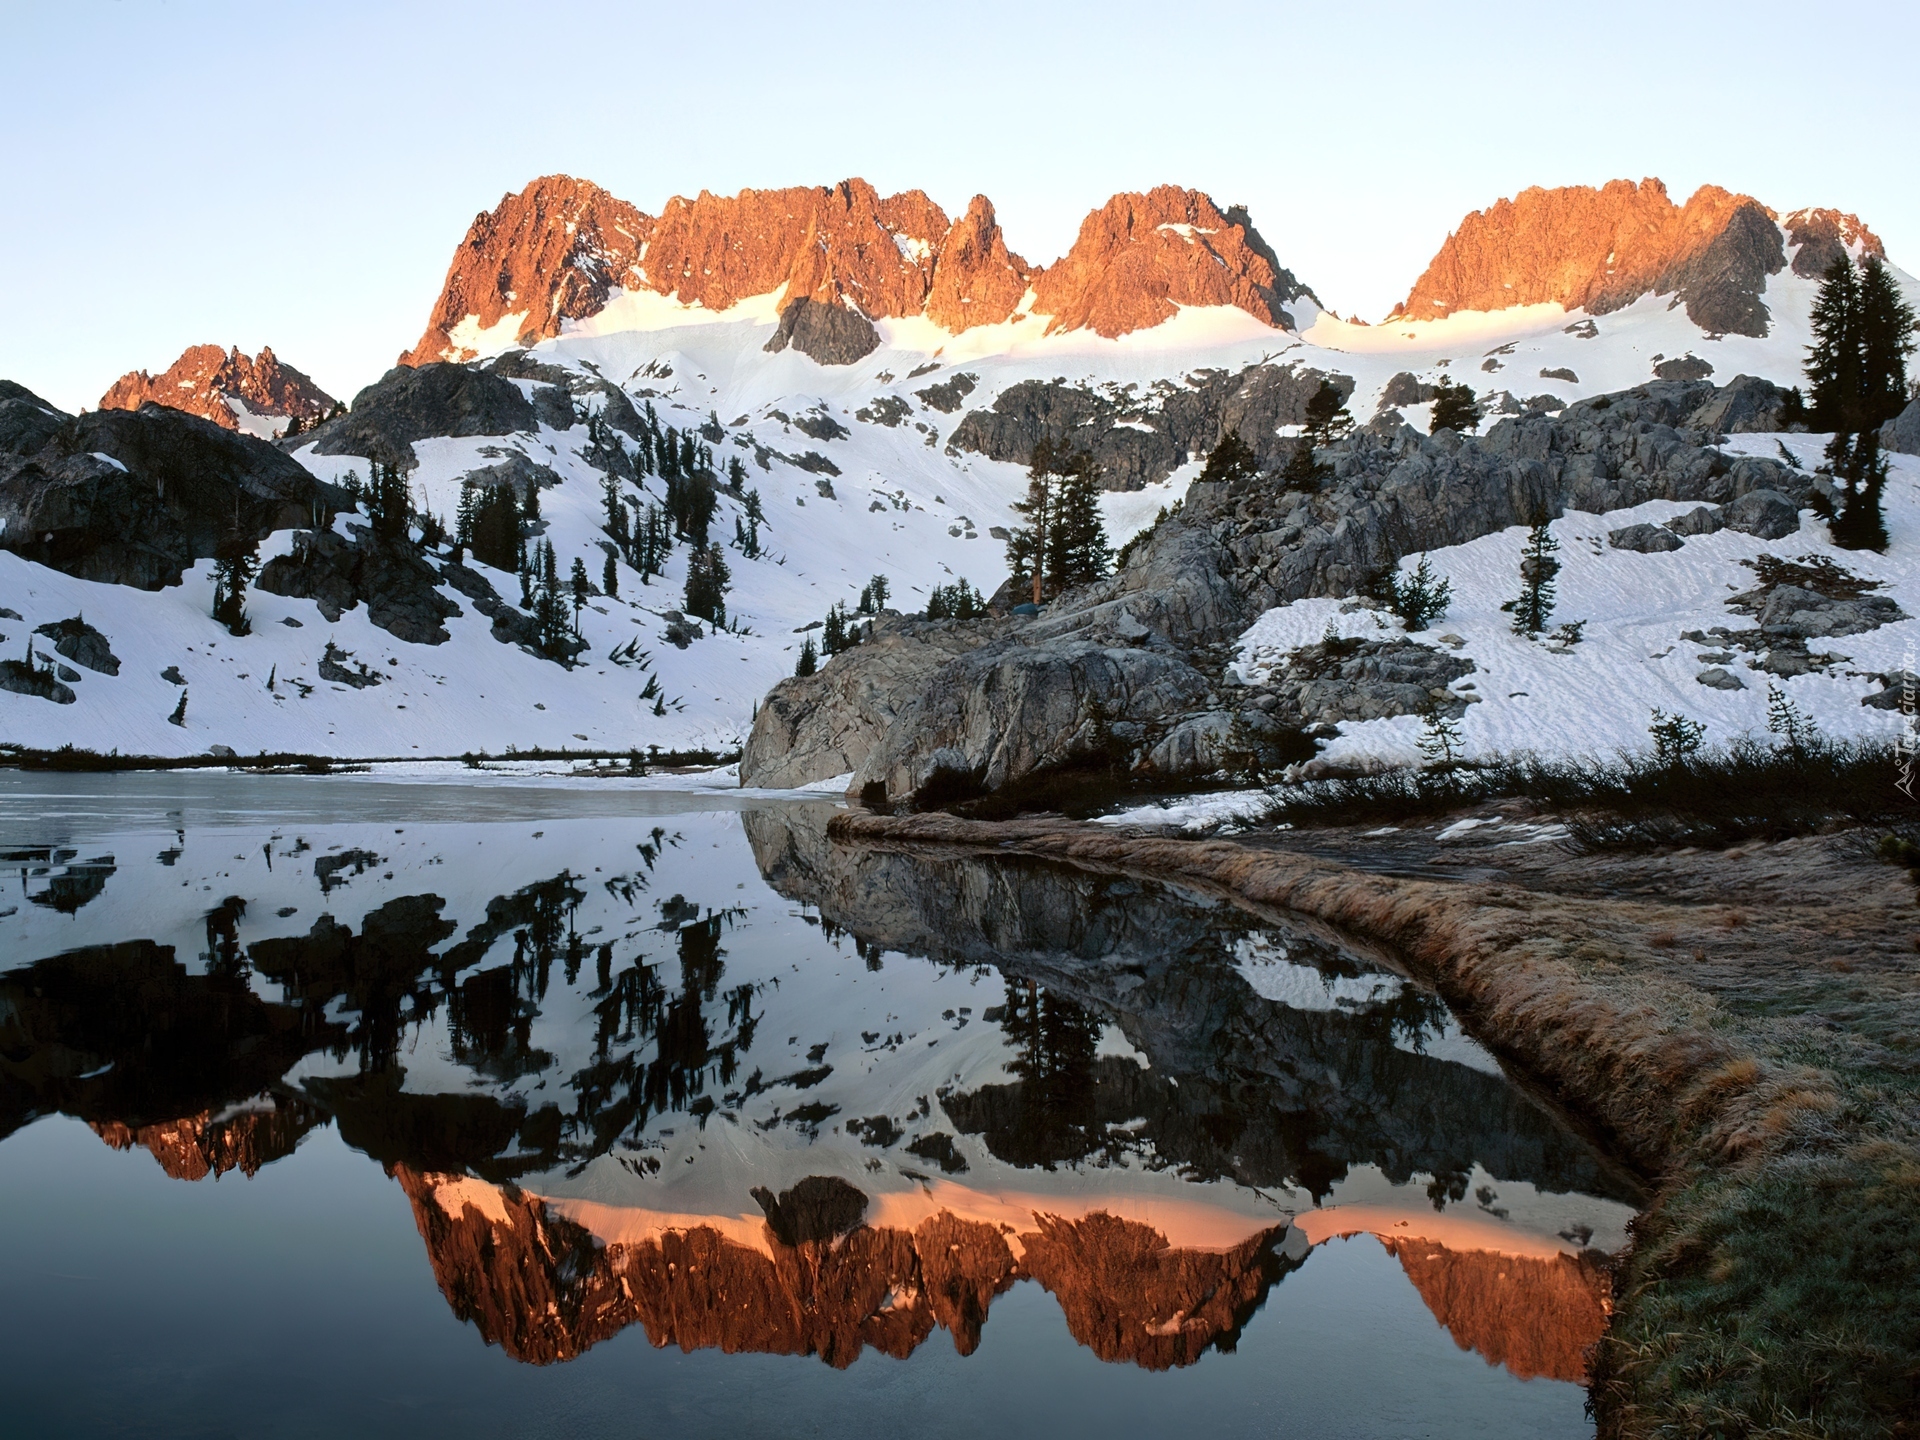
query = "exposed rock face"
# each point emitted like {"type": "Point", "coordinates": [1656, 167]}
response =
{"type": "Point", "coordinates": [395, 580]}
{"type": "Point", "coordinates": [1139, 256]}
{"type": "Point", "coordinates": [82, 644]}
{"type": "Point", "coordinates": [560, 249]}
{"type": "Point", "coordinates": [1121, 665]}
{"type": "Point", "coordinates": [1645, 539]}
{"type": "Point", "coordinates": [1140, 439]}
{"type": "Point", "coordinates": [1600, 250]}
{"type": "Point", "coordinates": [554, 252]}
{"type": "Point", "coordinates": [1534, 1316]}
{"type": "Point", "coordinates": [205, 380]}
{"type": "Point", "coordinates": [135, 497]}
{"type": "Point", "coordinates": [825, 332]}
{"type": "Point", "coordinates": [1902, 433]}
{"type": "Point", "coordinates": [829, 723]}
{"type": "Point", "coordinates": [408, 404]}
{"type": "Point", "coordinates": [976, 280]}
{"type": "Point", "coordinates": [26, 421]}
{"type": "Point", "coordinates": [1819, 237]}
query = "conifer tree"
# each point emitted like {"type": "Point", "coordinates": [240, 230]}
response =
{"type": "Point", "coordinates": [1833, 360]}
{"type": "Point", "coordinates": [610, 577]}
{"type": "Point", "coordinates": [1229, 460]}
{"type": "Point", "coordinates": [1537, 569]}
{"type": "Point", "coordinates": [1886, 340]}
{"type": "Point", "coordinates": [1327, 418]}
{"type": "Point", "coordinates": [1856, 462]}
{"type": "Point", "coordinates": [736, 475]}
{"type": "Point", "coordinates": [493, 527]}
{"type": "Point", "coordinates": [1455, 408]}
{"type": "Point", "coordinates": [234, 566]}
{"type": "Point", "coordinates": [707, 581]}
{"type": "Point", "coordinates": [1078, 552]}
{"type": "Point", "coordinates": [581, 587]}
{"type": "Point", "coordinates": [809, 660]}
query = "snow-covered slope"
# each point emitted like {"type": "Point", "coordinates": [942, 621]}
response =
{"type": "Point", "coordinates": [896, 501]}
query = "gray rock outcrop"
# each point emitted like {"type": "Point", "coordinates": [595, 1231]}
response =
{"type": "Point", "coordinates": [135, 497]}
{"type": "Point", "coordinates": [418, 402]}
{"type": "Point", "coordinates": [1121, 666]}
{"type": "Point", "coordinates": [395, 581]}
{"type": "Point", "coordinates": [1646, 539]}
{"type": "Point", "coordinates": [1902, 433]}
{"type": "Point", "coordinates": [82, 644]}
{"type": "Point", "coordinates": [1765, 513]}
{"type": "Point", "coordinates": [826, 334]}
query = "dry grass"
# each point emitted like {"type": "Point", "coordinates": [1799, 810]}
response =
{"type": "Point", "coordinates": [1772, 1097]}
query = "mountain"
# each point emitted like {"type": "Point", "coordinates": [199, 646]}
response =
{"type": "Point", "coordinates": [256, 394]}
{"type": "Point", "coordinates": [1601, 250]}
{"type": "Point", "coordinates": [564, 249]}
{"type": "Point", "coordinates": [882, 373]}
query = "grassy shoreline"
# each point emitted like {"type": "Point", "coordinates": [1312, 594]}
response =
{"type": "Point", "coordinates": [1759, 1072]}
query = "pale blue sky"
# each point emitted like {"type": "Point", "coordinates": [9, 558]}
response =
{"type": "Point", "coordinates": [298, 174]}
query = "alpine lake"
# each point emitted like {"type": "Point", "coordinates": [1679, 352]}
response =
{"type": "Point", "coordinates": [496, 1105]}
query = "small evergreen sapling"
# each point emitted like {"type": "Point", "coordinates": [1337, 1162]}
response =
{"type": "Point", "coordinates": [1798, 734]}
{"type": "Point", "coordinates": [1418, 599]}
{"type": "Point", "coordinates": [610, 577]}
{"type": "Point", "coordinates": [1676, 739]}
{"type": "Point", "coordinates": [809, 660]}
{"type": "Point", "coordinates": [1538, 566]}
{"type": "Point", "coordinates": [1440, 741]}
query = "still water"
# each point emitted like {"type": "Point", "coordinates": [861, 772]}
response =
{"type": "Point", "coordinates": [339, 1105]}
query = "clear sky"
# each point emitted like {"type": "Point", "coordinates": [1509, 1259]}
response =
{"type": "Point", "coordinates": [298, 174]}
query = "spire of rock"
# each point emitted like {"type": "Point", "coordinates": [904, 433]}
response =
{"type": "Point", "coordinates": [209, 382]}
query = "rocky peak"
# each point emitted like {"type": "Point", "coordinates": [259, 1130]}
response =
{"type": "Point", "coordinates": [1819, 237]}
{"type": "Point", "coordinates": [1139, 256]}
{"type": "Point", "coordinates": [1600, 250]}
{"type": "Point", "coordinates": [977, 280]}
{"type": "Point", "coordinates": [556, 251]}
{"type": "Point", "coordinates": [559, 249]}
{"type": "Point", "coordinates": [208, 381]}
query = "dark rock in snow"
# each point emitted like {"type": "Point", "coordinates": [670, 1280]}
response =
{"type": "Point", "coordinates": [1765, 513]}
{"type": "Point", "coordinates": [392, 577]}
{"type": "Point", "coordinates": [1701, 520]}
{"type": "Point", "coordinates": [826, 334]}
{"type": "Point", "coordinates": [82, 644]}
{"type": "Point", "coordinates": [1685, 367]}
{"type": "Point", "coordinates": [1646, 539]}
{"type": "Point", "coordinates": [408, 404]}
{"type": "Point", "coordinates": [1406, 388]}
{"type": "Point", "coordinates": [1742, 406]}
{"type": "Point", "coordinates": [134, 497]}
{"type": "Point", "coordinates": [27, 422]}
{"type": "Point", "coordinates": [949, 394]}
{"type": "Point", "coordinates": [1717, 678]}
{"type": "Point", "coordinates": [24, 679]}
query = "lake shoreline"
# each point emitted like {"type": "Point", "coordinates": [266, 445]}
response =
{"type": "Point", "coordinates": [1772, 1137]}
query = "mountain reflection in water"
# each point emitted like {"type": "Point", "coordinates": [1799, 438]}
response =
{"type": "Point", "coordinates": [635, 1087]}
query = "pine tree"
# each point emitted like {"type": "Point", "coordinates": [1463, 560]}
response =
{"type": "Point", "coordinates": [1440, 740]}
{"type": "Point", "coordinates": [833, 634]}
{"type": "Point", "coordinates": [1856, 462]}
{"type": "Point", "coordinates": [1886, 340]}
{"type": "Point", "coordinates": [1418, 599]}
{"type": "Point", "coordinates": [1537, 569]}
{"type": "Point", "coordinates": [610, 577]}
{"type": "Point", "coordinates": [707, 581]}
{"type": "Point", "coordinates": [1229, 460]}
{"type": "Point", "coordinates": [1078, 553]}
{"type": "Point", "coordinates": [1455, 408]}
{"type": "Point", "coordinates": [736, 475]}
{"type": "Point", "coordinates": [1833, 360]}
{"type": "Point", "coordinates": [581, 587]}
{"type": "Point", "coordinates": [1676, 739]}
{"type": "Point", "coordinates": [1798, 734]}
{"type": "Point", "coordinates": [234, 566]}
{"type": "Point", "coordinates": [493, 530]}
{"type": "Point", "coordinates": [389, 502]}
{"type": "Point", "coordinates": [1327, 418]}
{"type": "Point", "coordinates": [809, 660]}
